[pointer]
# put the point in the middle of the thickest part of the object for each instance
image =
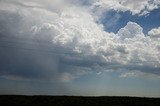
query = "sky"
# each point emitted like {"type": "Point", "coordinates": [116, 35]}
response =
{"type": "Point", "coordinates": [80, 47]}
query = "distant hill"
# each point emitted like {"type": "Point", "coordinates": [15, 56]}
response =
{"type": "Point", "coordinates": [11, 100]}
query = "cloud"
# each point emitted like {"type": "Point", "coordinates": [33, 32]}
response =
{"type": "Point", "coordinates": [138, 74]}
{"type": "Point", "coordinates": [141, 7]}
{"type": "Point", "coordinates": [154, 33]}
{"type": "Point", "coordinates": [131, 30]}
{"type": "Point", "coordinates": [62, 44]}
{"type": "Point", "coordinates": [129, 74]}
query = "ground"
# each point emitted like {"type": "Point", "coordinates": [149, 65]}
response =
{"type": "Point", "coordinates": [9, 100]}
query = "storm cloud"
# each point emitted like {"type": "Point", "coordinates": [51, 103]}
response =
{"type": "Point", "coordinates": [61, 41]}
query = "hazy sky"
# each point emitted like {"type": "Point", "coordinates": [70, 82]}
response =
{"type": "Point", "coordinates": [80, 47]}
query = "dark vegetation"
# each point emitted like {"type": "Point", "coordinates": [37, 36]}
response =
{"type": "Point", "coordinates": [8, 100]}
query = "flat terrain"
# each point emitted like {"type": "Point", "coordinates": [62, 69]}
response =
{"type": "Point", "coordinates": [11, 100]}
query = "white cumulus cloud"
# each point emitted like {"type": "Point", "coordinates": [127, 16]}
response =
{"type": "Point", "coordinates": [154, 33]}
{"type": "Point", "coordinates": [140, 7]}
